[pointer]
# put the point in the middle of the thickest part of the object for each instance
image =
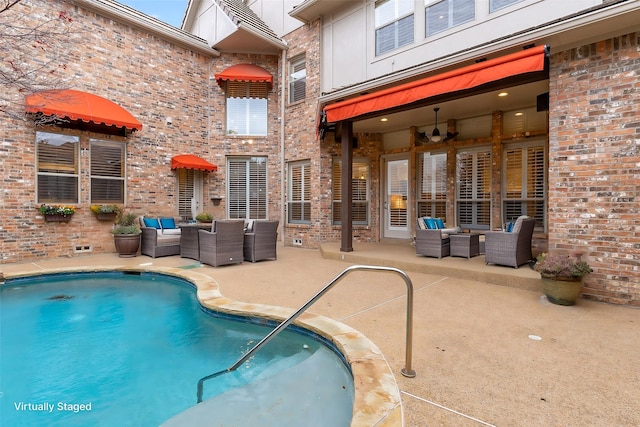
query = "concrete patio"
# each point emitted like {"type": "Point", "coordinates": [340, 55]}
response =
{"type": "Point", "coordinates": [488, 349]}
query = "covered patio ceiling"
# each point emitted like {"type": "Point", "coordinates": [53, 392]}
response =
{"type": "Point", "coordinates": [471, 106]}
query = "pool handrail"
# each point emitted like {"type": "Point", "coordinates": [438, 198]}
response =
{"type": "Point", "coordinates": [406, 371]}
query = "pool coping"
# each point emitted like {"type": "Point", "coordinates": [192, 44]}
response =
{"type": "Point", "coordinates": [377, 399]}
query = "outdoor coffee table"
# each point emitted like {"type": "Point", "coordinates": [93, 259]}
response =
{"type": "Point", "coordinates": [464, 245]}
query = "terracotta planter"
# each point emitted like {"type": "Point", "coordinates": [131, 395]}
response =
{"type": "Point", "coordinates": [57, 218]}
{"type": "Point", "coordinates": [562, 290]}
{"type": "Point", "coordinates": [127, 245]}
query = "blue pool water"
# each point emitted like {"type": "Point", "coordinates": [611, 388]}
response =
{"type": "Point", "coordinates": [113, 349]}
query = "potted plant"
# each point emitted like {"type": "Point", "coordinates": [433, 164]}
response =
{"type": "Point", "coordinates": [562, 276]}
{"type": "Point", "coordinates": [204, 217]}
{"type": "Point", "coordinates": [60, 213]}
{"type": "Point", "coordinates": [105, 212]}
{"type": "Point", "coordinates": [126, 234]}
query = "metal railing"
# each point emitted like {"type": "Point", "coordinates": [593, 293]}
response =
{"type": "Point", "coordinates": [406, 371]}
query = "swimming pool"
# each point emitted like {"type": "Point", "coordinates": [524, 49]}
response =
{"type": "Point", "coordinates": [128, 349]}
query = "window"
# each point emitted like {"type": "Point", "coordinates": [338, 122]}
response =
{"type": "Point", "coordinates": [299, 199]}
{"type": "Point", "coordinates": [432, 187]}
{"type": "Point", "coordinates": [394, 24]}
{"type": "Point", "coordinates": [524, 182]}
{"type": "Point", "coordinates": [247, 188]}
{"type": "Point", "coordinates": [58, 170]}
{"type": "Point", "coordinates": [473, 175]}
{"type": "Point", "coordinates": [247, 108]}
{"type": "Point", "coordinates": [445, 14]}
{"type": "Point", "coordinates": [297, 79]}
{"type": "Point", "coordinates": [107, 171]}
{"type": "Point", "coordinates": [359, 185]}
{"type": "Point", "coordinates": [499, 4]}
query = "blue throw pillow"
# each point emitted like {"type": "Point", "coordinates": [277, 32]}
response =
{"type": "Point", "coordinates": [431, 223]}
{"type": "Point", "coordinates": [168, 223]}
{"type": "Point", "coordinates": [510, 227]}
{"type": "Point", "coordinates": [151, 222]}
{"type": "Point", "coordinates": [439, 223]}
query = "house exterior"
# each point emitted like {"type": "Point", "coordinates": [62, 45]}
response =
{"type": "Point", "coordinates": [304, 104]}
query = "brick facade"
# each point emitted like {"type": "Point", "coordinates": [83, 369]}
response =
{"type": "Point", "coordinates": [152, 78]}
{"type": "Point", "coordinates": [594, 163]}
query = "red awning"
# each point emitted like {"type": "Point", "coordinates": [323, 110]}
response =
{"type": "Point", "coordinates": [526, 61]}
{"type": "Point", "coordinates": [76, 105]}
{"type": "Point", "coordinates": [245, 73]}
{"type": "Point", "coordinates": [189, 161]}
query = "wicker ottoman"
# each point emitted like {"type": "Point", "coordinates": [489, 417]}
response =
{"type": "Point", "coordinates": [465, 245]}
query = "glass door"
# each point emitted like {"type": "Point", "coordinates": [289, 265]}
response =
{"type": "Point", "coordinates": [396, 198]}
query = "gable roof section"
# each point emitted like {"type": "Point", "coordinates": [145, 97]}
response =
{"type": "Point", "coordinates": [251, 35]}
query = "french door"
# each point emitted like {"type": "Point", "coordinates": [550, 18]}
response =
{"type": "Point", "coordinates": [396, 200]}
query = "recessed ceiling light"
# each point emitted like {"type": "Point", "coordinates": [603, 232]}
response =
{"type": "Point", "coordinates": [518, 114]}
{"type": "Point", "coordinates": [503, 94]}
{"type": "Point", "coordinates": [384, 119]}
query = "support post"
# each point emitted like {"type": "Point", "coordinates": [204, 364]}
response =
{"type": "Point", "coordinates": [346, 212]}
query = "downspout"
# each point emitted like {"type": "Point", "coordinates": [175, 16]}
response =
{"type": "Point", "coordinates": [283, 70]}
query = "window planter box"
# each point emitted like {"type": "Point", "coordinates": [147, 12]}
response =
{"type": "Point", "coordinates": [57, 218]}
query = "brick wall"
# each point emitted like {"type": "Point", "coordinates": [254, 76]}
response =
{"type": "Point", "coordinates": [152, 78]}
{"type": "Point", "coordinates": [594, 163]}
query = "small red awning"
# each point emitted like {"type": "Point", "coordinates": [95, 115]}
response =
{"type": "Point", "coordinates": [492, 70]}
{"type": "Point", "coordinates": [244, 73]}
{"type": "Point", "coordinates": [76, 105]}
{"type": "Point", "coordinates": [189, 161]}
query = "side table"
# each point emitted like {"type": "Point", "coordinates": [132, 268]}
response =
{"type": "Point", "coordinates": [465, 245]}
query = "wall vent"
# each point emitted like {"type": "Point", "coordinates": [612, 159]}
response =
{"type": "Point", "coordinates": [82, 249]}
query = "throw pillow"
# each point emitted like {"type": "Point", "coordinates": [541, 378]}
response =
{"type": "Point", "coordinates": [509, 227]}
{"type": "Point", "coordinates": [168, 223]}
{"type": "Point", "coordinates": [439, 223]}
{"type": "Point", "coordinates": [431, 223]}
{"type": "Point", "coordinates": [151, 222]}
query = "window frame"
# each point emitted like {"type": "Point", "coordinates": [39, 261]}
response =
{"type": "Point", "coordinates": [252, 100]}
{"type": "Point", "coordinates": [250, 186]}
{"type": "Point", "coordinates": [358, 204]}
{"type": "Point", "coordinates": [297, 83]}
{"type": "Point", "coordinates": [493, 8]}
{"type": "Point", "coordinates": [397, 21]}
{"type": "Point", "coordinates": [94, 142]}
{"type": "Point", "coordinates": [299, 197]}
{"type": "Point", "coordinates": [61, 165]}
{"type": "Point", "coordinates": [479, 199]}
{"type": "Point", "coordinates": [525, 199]}
{"type": "Point", "coordinates": [430, 5]}
{"type": "Point", "coordinates": [436, 205]}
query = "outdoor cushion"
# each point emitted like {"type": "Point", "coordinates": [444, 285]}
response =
{"type": "Point", "coordinates": [151, 222]}
{"type": "Point", "coordinates": [170, 231]}
{"type": "Point", "coordinates": [421, 223]}
{"type": "Point", "coordinates": [518, 224]}
{"type": "Point", "coordinates": [431, 223]}
{"type": "Point", "coordinates": [168, 223]}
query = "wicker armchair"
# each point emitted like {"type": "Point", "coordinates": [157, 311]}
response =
{"type": "Point", "coordinates": [223, 245]}
{"type": "Point", "coordinates": [432, 243]}
{"type": "Point", "coordinates": [510, 248]}
{"type": "Point", "coordinates": [260, 241]}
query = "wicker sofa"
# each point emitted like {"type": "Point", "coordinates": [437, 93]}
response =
{"type": "Point", "coordinates": [157, 240]}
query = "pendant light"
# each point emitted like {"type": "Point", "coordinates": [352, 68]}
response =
{"type": "Point", "coordinates": [435, 135]}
